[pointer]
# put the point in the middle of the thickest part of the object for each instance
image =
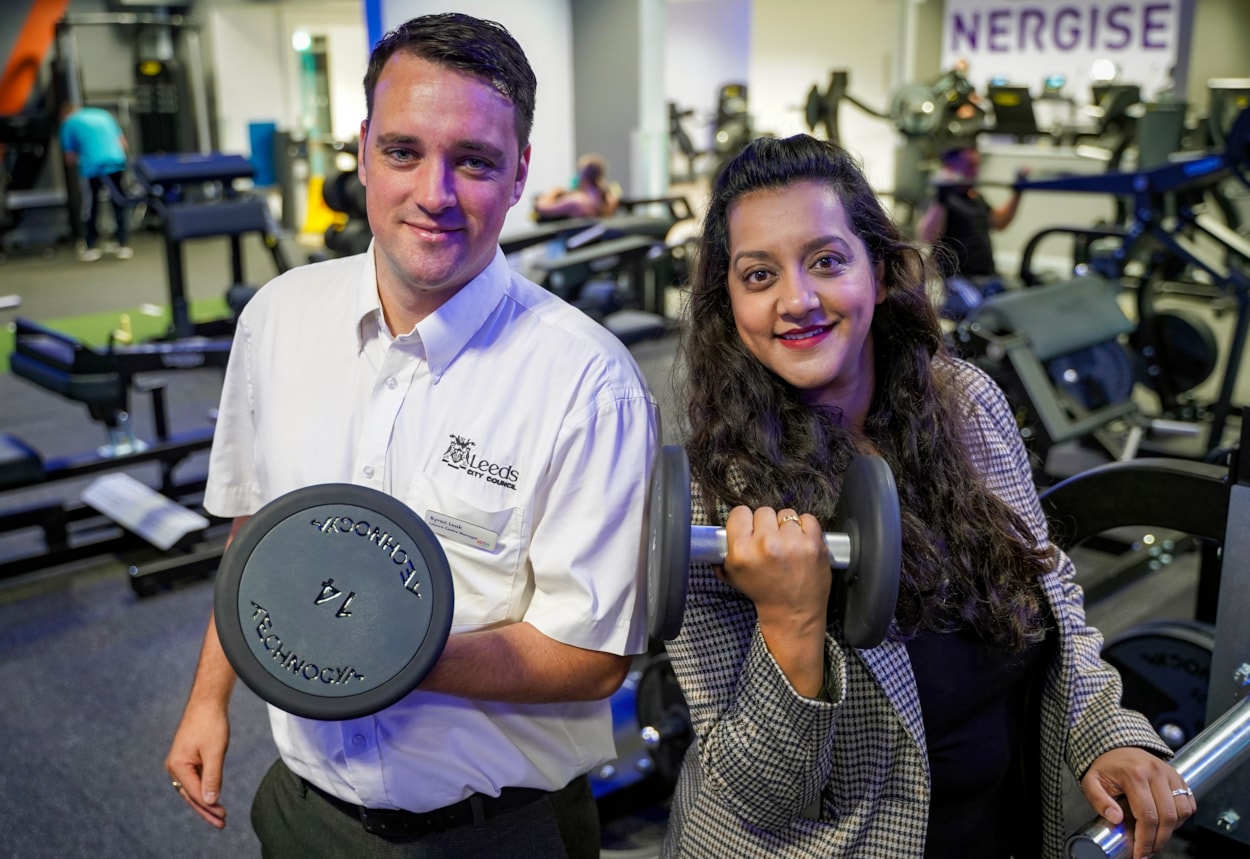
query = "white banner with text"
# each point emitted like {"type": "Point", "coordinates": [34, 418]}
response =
{"type": "Point", "coordinates": [1028, 42]}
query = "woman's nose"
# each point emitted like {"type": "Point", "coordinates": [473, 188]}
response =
{"type": "Point", "coordinates": [798, 296]}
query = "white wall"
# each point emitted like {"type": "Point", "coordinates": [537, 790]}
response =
{"type": "Point", "coordinates": [796, 43]}
{"type": "Point", "coordinates": [649, 142]}
{"type": "Point", "coordinates": [256, 70]}
{"type": "Point", "coordinates": [544, 30]}
{"type": "Point", "coordinates": [1219, 46]}
{"type": "Point", "coordinates": [241, 45]}
{"type": "Point", "coordinates": [347, 56]}
{"type": "Point", "coordinates": [707, 44]}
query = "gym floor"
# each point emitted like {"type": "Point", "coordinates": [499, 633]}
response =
{"type": "Point", "coordinates": [97, 675]}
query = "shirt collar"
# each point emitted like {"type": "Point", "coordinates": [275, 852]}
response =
{"type": "Point", "coordinates": [449, 329]}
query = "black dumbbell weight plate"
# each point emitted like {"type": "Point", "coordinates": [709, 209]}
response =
{"type": "Point", "coordinates": [864, 599]}
{"type": "Point", "coordinates": [668, 552]}
{"type": "Point", "coordinates": [333, 601]}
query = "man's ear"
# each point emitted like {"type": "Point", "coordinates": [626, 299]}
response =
{"type": "Point", "coordinates": [522, 173]}
{"type": "Point", "coordinates": [360, 151]}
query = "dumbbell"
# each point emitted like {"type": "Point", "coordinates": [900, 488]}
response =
{"type": "Point", "coordinates": [334, 601]}
{"type": "Point", "coordinates": [866, 548]}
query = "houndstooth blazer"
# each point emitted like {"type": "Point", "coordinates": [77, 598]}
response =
{"type": "Point", "coordinates": [765, 758]}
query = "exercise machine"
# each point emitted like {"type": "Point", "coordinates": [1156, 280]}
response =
{"type": "Point", "coordinates": [1171, 233]}
{"type": "Point", "coordinates": [930, 118]}
{"type": "Point", "coordinates": [169, 102]}
{"type": "Point", "coordinates": [1190, 678]}
{"type": "Point", "coordinates": [195, 197]}
{"type": "Point", "coordinates": [32, 216]}
{"type": "Point", "coordinates": [616, 269]}
{"type": "Point", "coordinates": [103, 381]}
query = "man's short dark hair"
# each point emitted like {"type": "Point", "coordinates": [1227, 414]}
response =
{"type": "Point", "coordinates": [484, 49]}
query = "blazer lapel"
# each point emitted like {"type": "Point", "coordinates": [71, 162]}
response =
{"type": "Point", "coordinates": [891, 667]}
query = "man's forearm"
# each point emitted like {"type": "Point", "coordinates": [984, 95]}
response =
{"type": "Point", "coordinates": [214, 677]}
{"type": "Point", "coordinates": [1002, 217]}
{"type": "Point", "coordinates": [518, 664]}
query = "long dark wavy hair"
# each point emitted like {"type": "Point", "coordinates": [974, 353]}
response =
{"type": "Point", "coordinates": [969, 560]}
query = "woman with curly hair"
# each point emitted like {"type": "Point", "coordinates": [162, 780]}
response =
{"type": "Point", "coordinates": [811, 340]}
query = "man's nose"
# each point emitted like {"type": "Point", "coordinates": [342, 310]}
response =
{"type": "Point", "coordinates": [435, 189]}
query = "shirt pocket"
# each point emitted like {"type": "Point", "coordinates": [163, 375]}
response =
{"type": "Point", "coordinates": [485, 549]}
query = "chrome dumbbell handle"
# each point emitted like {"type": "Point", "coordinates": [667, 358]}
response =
{"type": "Point", "coordinates": [710, 545]}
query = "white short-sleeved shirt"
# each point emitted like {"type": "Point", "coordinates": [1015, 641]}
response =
{"type": "Point", "coordinates": [506, 409]}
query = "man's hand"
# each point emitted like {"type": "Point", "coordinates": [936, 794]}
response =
{"type": "Point", "coordinates": [196, 759]}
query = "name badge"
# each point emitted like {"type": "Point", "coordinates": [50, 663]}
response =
{"type": "Point", "coordinates": [461, 531]}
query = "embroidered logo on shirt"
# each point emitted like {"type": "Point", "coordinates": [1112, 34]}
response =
{"type": "Point", "coordinates": [459, 455]}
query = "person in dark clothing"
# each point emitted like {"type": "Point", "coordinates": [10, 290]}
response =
{"type": "Point", "coordinates": [958, 224]}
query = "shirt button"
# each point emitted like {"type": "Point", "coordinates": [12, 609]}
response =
{"type": "Point", "coordinates": [391, 383]}
{"type": "Point", "coordinates": [367, 471]}
{"type": "Point", "coordinates": [358, 741]}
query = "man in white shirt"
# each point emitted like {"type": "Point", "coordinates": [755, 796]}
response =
{"type": "Point", "coordinates": [427, 369]}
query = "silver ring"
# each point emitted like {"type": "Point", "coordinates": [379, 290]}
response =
{"type": "Point", "coordinates": [1184, 791]}
{"type": "Point", "coordinates": [177, 784]}
{"type": "Point", "coordinates": [791, 518]}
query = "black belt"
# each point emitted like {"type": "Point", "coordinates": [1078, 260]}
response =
{"type": "Point", "coordinates": [395, 823]}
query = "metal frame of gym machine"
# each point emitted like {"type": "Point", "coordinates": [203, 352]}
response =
{"type": "Point", "coordinates": [1212, 502]}
{"type": "Point", "coordinates": [67, 54]}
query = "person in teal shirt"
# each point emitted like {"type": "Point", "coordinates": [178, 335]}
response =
{"type": "Point", "coordinates": [95, 146]}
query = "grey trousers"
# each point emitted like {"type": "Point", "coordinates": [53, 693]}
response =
{"type": "Point", "coordinates": [293, 822]}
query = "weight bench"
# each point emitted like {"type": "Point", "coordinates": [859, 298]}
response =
{"type": "Point", "coordinates": [166, 178]}
{"type": "Point", "coordinates": [101, 380]}
{"type": "Point", "coordinates": [66, 366]}
{"type": "Point", "coordinates": [547, 231]}
{"type": "Point", "coordinates": [231, 218]}
{"type": "Point", "coordinates": [587, 278]}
